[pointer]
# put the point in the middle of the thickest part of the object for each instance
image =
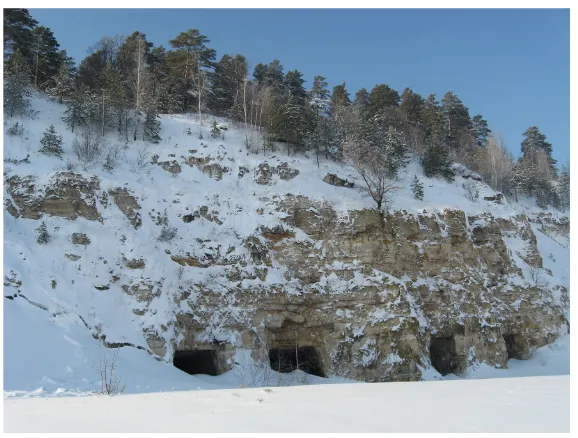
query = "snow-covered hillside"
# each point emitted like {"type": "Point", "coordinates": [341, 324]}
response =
{"type": "Point", "coordinates": [66, 294]}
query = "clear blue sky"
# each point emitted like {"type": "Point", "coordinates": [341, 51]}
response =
{"type": "Point", "coordinates": [512, 66]}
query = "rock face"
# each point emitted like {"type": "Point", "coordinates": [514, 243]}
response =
{"type": "Point", "coordinates": [379, 297]}
{"type": "Point", "coordinates": [369, 296]}
{"type": "Point", "coordinates": [128, 205]}
{"type": "Point", "coordinates": [67, 194]}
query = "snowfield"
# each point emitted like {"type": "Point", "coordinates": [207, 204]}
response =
{"type": "Point", "coordinates": [529, 404]}
{"type": "Point", "coordinates": [51, 371]}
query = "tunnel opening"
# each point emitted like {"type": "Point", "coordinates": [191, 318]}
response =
{"type": "Point", "coordinates": [197, 362]}
{"type": "Point", "coordinates": [290, 359]}
{"type": "Point", "coordinates": [443, 355]}
{"type": "Point", "coordinates": [515, 346]}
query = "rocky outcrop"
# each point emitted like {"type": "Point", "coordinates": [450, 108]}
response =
{"type": "Point", "coordinates": [378, 297]}
{"type": "Point", "coordinates": [285, 172]}
{"type": "Point", "coordinates": [334, 180]}
{"type": "Point", "coordinates": [80, 239]}
{"type": "Point", "coordinates": [128, 204]}
{"type": "Point", "coordinates": [170, 166]}
{"type": "Point", "coordinates": [67, 194]}
{"type": "Point", "coordinates": [263, 174]}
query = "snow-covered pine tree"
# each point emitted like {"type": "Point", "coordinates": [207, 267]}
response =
{"type": "Point", "coordinates": [51, 142]}
{"type": "Point", "coordinates": [436, 161]}
{"type": "Point", "coordinates": [63, 83]}
{"type": "Point", "coordinates": [215, 131]}
{"type": "Point", "coordinates": [563, 189]}
{"type": "Point", "coordinates": [152, 125]}
{"type": "Point", "coordinates": [76, 113]}
{"type": "Point", "coordinates": [43, 236]}
{"type": "Point", "coordinates": [17, 87]}
{"type": "Point", "coordinates": [417, 188]}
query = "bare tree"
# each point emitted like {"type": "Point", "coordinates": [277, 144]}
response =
{"type": "Point", "coordinates": [110, 383]}
{"type": "Point", "coordinates": [373, 168]}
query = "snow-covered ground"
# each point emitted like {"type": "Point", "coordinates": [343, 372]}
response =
{"type": "Point", "coordinates": [48, 351]}
{"type": "Point", "coordinates": [529, 404]}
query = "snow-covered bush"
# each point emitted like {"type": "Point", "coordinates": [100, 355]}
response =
{"type": "Point", "coordinates": [141, 162]}
{"type": "Point", "coordinates": [88, 148]}
{"type": "Point", "coordinates": [113, 158]}
{"type": "Point", "coordinates": [472, 193]}
{"type": "Point", "coordinates": [167, 234]}
{"type": "Point", "coordinates": [43, 236]}
{"type": "Point", "coordinates": [16, 130]}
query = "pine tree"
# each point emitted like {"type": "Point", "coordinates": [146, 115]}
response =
{"type": "Point", "coordinates": [563, 189]}
{"type": "Point", "coordinates": [361, 102]}
{"type": "Point", "coordinates": [436, 161]}
{"type": "Point", "coordinates": [215, 131]}
{"type": "Point", "coordinates": [480, 131]}
{"type": "Point", "coordinates": [16, 87]}
{"type": "Point", "coordinates": [18, 26]}
{"type": "Point", "coordinates": [43, 236]}
{"type": "Point", "coordinates": [535, 142]}
{"type": "Point", "coordinates": [319, 96]}
{"type": "Point", "coordinates": [152, 125]}
{"type": "Point", "coordinates": [417, 188]}
{"type": "Point", "coordinates": [45, 56]}
{"type": "Point", "coordinates": [456, 119]}
{"type": "Point", "coordinates": [63, 83]}
{"type": "Point", "coordinates": [51, 142]}
{"type": "Point", "coordinates": [411, 106]}
{"type": "Point", "coordinates": [77, 111]}
{"type": "Point", "coordinates": [382, 97]}
{"type": "Point", "coordinates": [339, 99]}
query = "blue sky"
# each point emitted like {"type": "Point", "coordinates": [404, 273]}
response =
{"type": "Point", "coordinates": [510, 65]}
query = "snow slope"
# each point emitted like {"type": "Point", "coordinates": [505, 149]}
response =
{"type": "Point", "coordinates": [530, 404]}
{"type": "Point", "coordinates": [48, 349]}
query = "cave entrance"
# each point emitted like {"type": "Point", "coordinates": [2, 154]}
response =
{"type": "Point", "coordinates": [285, 360]}
{"type": "Point", "coordinates": [197, 362]}
{"type": "Point", "coordinates": [443, 355]}
{"type": "Point", "coordinates": [515, 346]}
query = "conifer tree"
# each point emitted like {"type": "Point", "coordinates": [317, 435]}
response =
{"type": "Point", "coordinates": [215, 131]}
{"type": "Point", "coordinates": [436, 161]}
{"type": "Point", "coordinates": [16, 87]}
{"type": "Point", "coordinates": [76, 114]}
{"type": "Point", "coordinates": [417, 188]}
{"type": "Point", "coordinates": [564, 189]}
{"type": "Point", "coordinates": [51, 142]}
{"type": "Point", "coordinates": [43, 236]}
{"type": "Point", "coordinates": [151, 125]}
{"type": "Point", "coordinates": [339, 99]}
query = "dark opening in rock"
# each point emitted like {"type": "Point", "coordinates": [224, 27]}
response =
{"type": "Point", "coordinates": [197, 362]}
{"type": "Point", "coordinates": [304, 358]}
{"type": "Point", "coordinates": [443, 355]}
{"type": "Point", "coordinates": [515, 346]}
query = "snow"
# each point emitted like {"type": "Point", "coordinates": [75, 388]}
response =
{"type": "Point", "coordinates": [530, 404]}
{"type": "Point", "coordinates": [50, 352]}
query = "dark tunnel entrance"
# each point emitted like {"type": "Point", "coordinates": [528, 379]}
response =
{"type": "Point", "coordinates": [197, 362]}
{"type": "Point", "coordinates": [515, 346]}
{"type": "Point", "coordinates": [443, 355]}
{"type": "Point", "coordinates": [304, 358]}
